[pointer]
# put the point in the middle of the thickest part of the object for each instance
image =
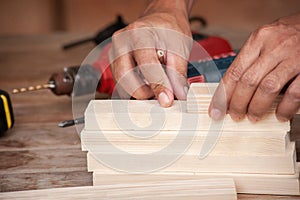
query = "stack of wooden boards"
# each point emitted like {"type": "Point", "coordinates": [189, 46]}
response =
{"type": "Point", "coordinates": [259, 157]}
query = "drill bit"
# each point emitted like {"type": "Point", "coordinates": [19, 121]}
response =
{"type": "Point", "coordinates": [33, 88]}
{"type": "Point", "coordinates": [71, 122]}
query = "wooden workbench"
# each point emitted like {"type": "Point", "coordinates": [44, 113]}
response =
{"type": "Point", "coordinates": [36, 153]}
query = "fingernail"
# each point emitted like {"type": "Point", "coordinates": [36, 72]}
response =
{"type": "Point", "coordinates": [164, 99]}
{"type": "Point", "coordinates": [216, 114]}
{"type": "Point", "coordinates": [236, 117]}
{"type": "Point", "coordinates": [253, 119]}
{"type": "Point", "coordinates": [282, 119]}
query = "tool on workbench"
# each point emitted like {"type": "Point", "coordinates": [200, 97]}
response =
{"type": "Point", "coordinates": [71, 122]}
{"type": "Point", "coordinates": [108, 31]}
{"type": "Point", "coordinates": [6, 112]}
{"type": "Point", "coordinates": [62, 83]}
{"type": "Point", "coordinates": [102, 35]}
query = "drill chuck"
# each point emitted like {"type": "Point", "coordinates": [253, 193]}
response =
{"type": "Point", "coordinates": [62, 82]}
{"type": "Point", "coordinates": [86, 78]}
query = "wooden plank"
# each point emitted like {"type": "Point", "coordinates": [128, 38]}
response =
{"type": "Point", "coordinates": [245, 183]}
{"type": "Point", "coordinates": [213, 189]}
{"type": "Point", "coordinates": [33, 181]}
{"type": "Point", "coordinates": [200, 94]}
{"type": "Point", "coordinates": [266, 143]}
{"type": "Point", "coordinates": [149, 115]}
{"type": "Point", "coordinates": [194, 106]}
{"type": "Point", "coordinates": [276, 164]}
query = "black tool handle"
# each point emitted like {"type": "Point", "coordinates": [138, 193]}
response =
{"type": "Point", "coordinates": [102, 35]}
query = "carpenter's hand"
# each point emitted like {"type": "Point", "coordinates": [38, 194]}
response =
{"type": "Point", "coordinates": [135, 63]}
{"type": "Point", "coordinates": [268, 61]}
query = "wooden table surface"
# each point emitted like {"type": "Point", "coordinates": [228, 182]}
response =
{"type": "Point", "coordinates": [36, 153]}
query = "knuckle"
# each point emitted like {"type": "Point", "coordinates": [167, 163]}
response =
{"type": "Point", "coordinates": [117, 74]}
{"type": "Point", "coordinates": [156, 87]}
{"type": "Point", "coordinates": [290, 41]}
{"type": "Point", "coordinates": [116, 34]}
{"type": "Point", "coordinates": [286, 39]}
{"type": "Point", "coordinates": [294, 39]}
{"type": "Point", "coordinates": [249, 79]}
{"type": "Point", "coordinates": [133, 26]}
{"type": "Point", "coordinates": [234, 73]}
{"type": "Point", "coordinates": [263, 31]}
{"type": "Point", "coordinates": [136, 25]}
{"type": "Point", "coordinates": [270, 85]}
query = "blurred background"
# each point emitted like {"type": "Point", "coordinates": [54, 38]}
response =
{"type": "Point", "coordinates": [25, 17]}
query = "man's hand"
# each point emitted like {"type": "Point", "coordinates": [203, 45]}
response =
{"type": "Point", "coordinates": [268, 61]}
{"type": "Point", "coordinates": [137, 46]}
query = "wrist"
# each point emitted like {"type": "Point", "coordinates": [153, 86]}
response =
{"type": "Point", "coordinates": [179, 8]}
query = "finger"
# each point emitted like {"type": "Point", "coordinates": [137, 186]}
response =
{"type": "Point", "coordinates": [290, 103]}
{"type": "Point", "coordinates": [269, 89]}
{"type": "Point", "coordinates": [248, 84]}
{"type": "Point", "coordinates": [155, 75]}
{"type": "Point", "coordinates": [176, 68]}
{"type": "Point", "coordinates": [123, 70]}
{"type": "Point", "coordinates": [223, 94]}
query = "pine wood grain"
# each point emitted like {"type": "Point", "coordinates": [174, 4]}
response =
{"type": "Point", "coordinates": [200, 94]}
{"type": "Point", "coordinates": [149, 115]}
{"type": "Point", "coordinates": [245, 143]}
{"type": "Point", "coordinates": [213, 189]}
{"type": "Point", "coordinates": [276, 164]}
{"type": "Point", "coordinates": [245, 183]}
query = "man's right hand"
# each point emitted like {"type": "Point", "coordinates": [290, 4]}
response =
{"type": "Point", "coordinates": [164, 27]}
